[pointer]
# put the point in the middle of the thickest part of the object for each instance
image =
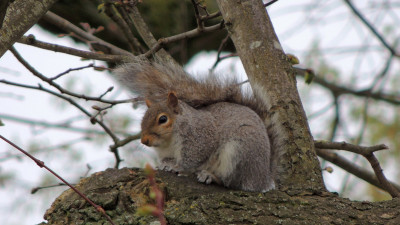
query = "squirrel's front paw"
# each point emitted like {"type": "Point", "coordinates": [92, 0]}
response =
{"type": "Point", "coordinates": [206, 177]}
{"type": "Point", "coordinates": [169, 167]}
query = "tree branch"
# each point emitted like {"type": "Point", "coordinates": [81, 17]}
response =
{"type": "Point", "coordinates": [350, 167]}
{"type": "Point", "coordinates": [371, 28]}
{"type": "Point", "coordinates": [58, 87]}
{"type": "Point", "coordinates": [134, 44]}
{"type": "Point", "coordinates": [349, 147]}
{"type": "Point", "coordinates": [339, 90]}
{"type": "Point", "coordinates": [188, 34]}
{"type": "Point", "coordinates": [69, 27]}
{"type": "Point", "coordinates": [31, 40]}
{"type": "Point", "coordinates": [143, 30]}
{"type": "Point", "coordinates": [367, 152]}
{"type": "Point", "coordinates": [20, 17]}
{"type": "Point", "coordinates": [62, 125]}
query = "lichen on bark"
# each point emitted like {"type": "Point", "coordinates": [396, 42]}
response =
{"type": "Point", "coordinates": [121, 191]}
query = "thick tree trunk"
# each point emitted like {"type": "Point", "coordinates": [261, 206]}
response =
{"type": "Point", "coordinates": [20, 17]}
{"type": "Point", "coordinates": [120, 192]}
{"type": "Point", "coordinates": [273, 82]}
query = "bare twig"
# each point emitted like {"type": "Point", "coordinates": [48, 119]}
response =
{"type": "Point", "coordinates": [134, 44]}
{"type": "Point", "coordinates": [367, 152]}
{"type": "Point", "coordinates": [105, 128]}
{"type": "Point", "coordinates": [336, 121]}
{"type": "Point", "coordinates": [113, 148]}
{"type": "Point", "coordinates": [372, 28]}
{"type": "Point", "coordinates": [189, 34]}
{"type": "Point", "coordinates": [220, 48]}
{"type": "Point", "coordinates": [125, 141]}
{"type": "Point", "coordinates": [42, 165]}
{"type": "Point", "coordinates": [211, 16]}
{"type": "Point", "coordinates": [200, 23]}
{"type": "Point", "coordinates": [270, 3]}
{"type": "Point", "coordinates": [69, 27]}
{"type": "Point", "coordinates": [352, 168]}
{"type": "Point", "coordinates": [381, 177]}
{"type": "Point", "coordinates": [60, 146]}
{"type": "Point", "coordinates": [30, 40]}
{"type": "Point", "coordinates": [41, 88]}
{"type": "Point", "coordinates": [339, 90]}
{"type": "Point", "coordinates": [135, 18]}
{"type": "Point", "coordinates": [62, 125]}
{"type": "Point", "coordinates": [70, 70]}
{"type": "Point", "coordinates": [57, 86]}
{"type": "Point", "coordinates": [350, 147]}
{"type": "Point", "coordinates": [36, 189]}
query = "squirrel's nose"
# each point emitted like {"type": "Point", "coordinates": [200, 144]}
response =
{"type": "Point", "coordinates": [145, 140]}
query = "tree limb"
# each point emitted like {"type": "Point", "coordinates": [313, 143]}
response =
{"type": "Point", "coordinates": [134, 44]}
{"type": "Point", "coordinates": [57, 86]}
{"type": "Point", "coordinates": [20, 17]}
{"type": "Point", "coordinates": [188, 34]}
{"type": "Point", "coordinates": [371, 28]}
{"type": "Point", "coordinates": [69, 27]}
{"type": "Point", "coordinates": [339, 90]}
{"type": "Point", "coordinates": [367, 152]}
{"type": "Point", "coordinates": [349, 147]}
{"type": "Point", "coordinates": [30, 40]}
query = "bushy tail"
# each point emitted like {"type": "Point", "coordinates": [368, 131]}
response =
{"type": "Point", "coordinates": [153, 81]}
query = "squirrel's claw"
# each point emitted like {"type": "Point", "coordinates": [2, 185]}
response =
{"type": "Point", "coordinates": [206, 177]}
{"type": "Point", "coordinates": [169, 167]}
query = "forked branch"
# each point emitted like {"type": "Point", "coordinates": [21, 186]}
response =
{"type": "Point", "coordinates": [368, 153]}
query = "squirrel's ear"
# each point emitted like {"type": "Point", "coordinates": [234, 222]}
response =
{"type": "Point", "coordinates": [148, 103]}
{"type": "Point", "coordinates": [173, 101]}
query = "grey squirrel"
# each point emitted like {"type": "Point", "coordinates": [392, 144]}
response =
{"type": "Point", "coordinates": [207, 127]}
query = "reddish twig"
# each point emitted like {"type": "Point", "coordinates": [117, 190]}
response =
{"type": "Point", "coordinates": [42, 165]}
{"type": "Point", "coordinates": [156, 209]}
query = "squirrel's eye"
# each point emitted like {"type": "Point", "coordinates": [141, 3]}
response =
{"type": "Point", "coordinates": [162, 119]}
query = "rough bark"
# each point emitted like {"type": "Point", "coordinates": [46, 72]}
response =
{"type": "Point", "coordinates": [120, 192]}
{"type": "Point", "coordinates": [272, 80]}
{"type": "Point", "coordinates": [20, 17]}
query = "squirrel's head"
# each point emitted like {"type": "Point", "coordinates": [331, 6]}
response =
{"type": "Point", "coordinates": [158, 121]}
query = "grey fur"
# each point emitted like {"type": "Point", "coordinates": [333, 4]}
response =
{"type": "Point", "coordinates": [218, 132]}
